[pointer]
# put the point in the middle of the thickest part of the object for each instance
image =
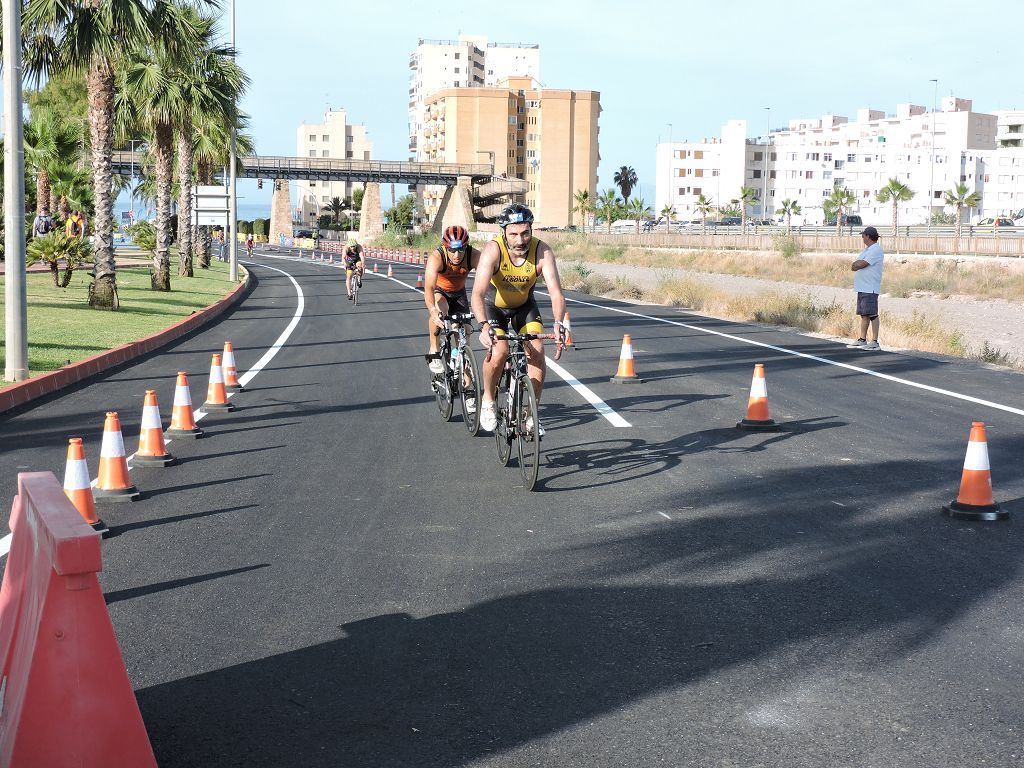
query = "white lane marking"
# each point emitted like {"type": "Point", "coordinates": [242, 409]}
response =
{"type": "Point", "coordinates": [199, 413]}
{"type": "Point", "coordinates": [588, 394]}
{"type": "Point", "coordinates": [839, 503]}
{"type": "Point", "coordinates": [664, 515]}
{"type": "Point", "coordinates": [794, 353]}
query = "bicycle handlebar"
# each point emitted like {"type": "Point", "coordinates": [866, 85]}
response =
{"type": "Point", "coordinates": [510, 336]}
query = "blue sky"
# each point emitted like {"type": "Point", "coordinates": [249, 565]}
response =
{"type": "Point", "coordinates": [692, 64]}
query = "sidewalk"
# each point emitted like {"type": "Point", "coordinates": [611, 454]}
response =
{"type": "Point", "coordinates": [999, 322]}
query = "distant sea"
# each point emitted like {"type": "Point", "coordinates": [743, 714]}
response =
{"type": "Point", "coordinates": [246, 211]}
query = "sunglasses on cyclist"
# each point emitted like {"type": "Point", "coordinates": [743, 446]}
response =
{"type": "Point", "coordinates": [456, 245]}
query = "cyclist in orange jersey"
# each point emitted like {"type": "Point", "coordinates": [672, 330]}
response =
{"type": "Point", "coordinates": [444, 284]}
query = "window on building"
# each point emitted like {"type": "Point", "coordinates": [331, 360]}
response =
{"type": "Point", "coordinates": [366, 154]}
{"type": "Point", "coordinates": [756, 173]}
{"type": "Point", "coordinates": [771, 174]}
{"type": "Point", "coordinates": [715, 172]}
{"type": "Point", "coordinates": [312, 153]}
{"type": "Point", "coordinates": [698, 154]}
{"type": "Point", "coordinates": [826, 174]}
{"type": "Point", "coordinates": [792, 156]}
{"type": "Point", "coordinates": [698, 172]}
{"type": "Point", "coordinates": [697, 190]}
{"type": "Point", "coordinates": [312, 137]}
{"type": "Point", "coordinates": [520, 142]}
{"type": "Point", "coordinates": [458, 84]}
{"type": "Point", "coordinates": [512, 120]}
{"type": "Point", "coordinates": [457, 70]}
{"type": "Point", "coordinates": [680, 171]}
{"type": "Point", "coordinates": [851, 158]}
{"type": "Point", "coordinates": [324, 153]}
{"type": "Point", "coordinates": [827, 157]}
{"type": "Point", "coordinates": [325, 137]}
{"type": "Point", "coordinates": [773, 157]}
{"type": "Point", "coordinates": [348, 154]}
{"type": "Point", "coordinates": [758, 157]}
{"type": "Point", "coordinates": [867, 158]}
{"type": "Point", "coordinates": [867, 193]}
{"type": "Point", "coordinates": [839, 164]}
{"type": "Point", "coordinates": [681, 191]}
{"type": "Point", "coordinates": [812, 156]}
{"type": "Point", "coordinates": [458, 55]}
{"type": "Point", "coordinates": [325, 199]}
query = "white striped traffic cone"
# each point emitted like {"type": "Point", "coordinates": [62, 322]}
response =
{"type": "Point", "coordinates": [77, 486]}
{"type": "Point", "coordinates": [152, 450]}
{"type": "Point", "coordinates": [227, 365]}
{"type": "Point", "coordinates": [390, 274]}
{"type": "Point", "coordinates": [112, 483]}
{"type": "Point", "coordinates": [757, 418]}
{"type": "Point", "coordinates": [216, 393]}
{"type": "Point", "coordinates": [975, 500]}
{"type": "Point", "coordinates": [183, 420]}
{"type": "Point", "coordinates": [627, 372]}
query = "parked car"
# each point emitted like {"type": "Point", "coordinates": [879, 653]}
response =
{"type": "Point", "coordinates": [624, 225]}
{"type": "Point", "coordinates": [303, 233]}
{"type": "Point", "coordinates": [999, 221]}
{"type": "Point", "coordinates": [731, 221]}
{"type": "Point", "coordinates": [852, 220]}
{"type": "Point", "coordinates": [648, 225]}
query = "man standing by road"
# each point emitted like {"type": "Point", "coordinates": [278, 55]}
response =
{"type": "Point", "coordinates": [867, 281]}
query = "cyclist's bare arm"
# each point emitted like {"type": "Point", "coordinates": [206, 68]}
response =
{"type": "Point", "coordinates": [485, 268]}
{"type": "Point", "coordinates": [548, 268]}
{"type": "Point", "coordinates": [430, 281]}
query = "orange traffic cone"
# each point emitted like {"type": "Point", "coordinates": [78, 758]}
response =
{"type": "Point", "coordinates": [152, 451]}
{"type": "Point", "coordinates": [183, 420]}
{"type": "Point", "coordinates": [757, 419]}
{"type": "Point", "coordinates": [77, 486]}
{"type": "Point", "coordinates": [228, 368]}
{"type": "Point", "coordinates": [216, 394]}
{"type": "Point", "coordinates": [113, 483]}
{"type": "Point", "coordinates": [390, 274]}
{"type": "Point", "coordinates": [375, 267]}
{"type": "Point", "coordinates": [419, 281]}
{"type": "Point", "coordinates": [568, 331]}
{"type": "Point", "coordinates": [975, 501]}
{"type": "Point", "coordinates": [626, 373]}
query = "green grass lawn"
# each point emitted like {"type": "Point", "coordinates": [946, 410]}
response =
{"type": "Point", "coordinates": [62, 328]}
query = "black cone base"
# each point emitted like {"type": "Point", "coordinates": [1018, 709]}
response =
{"type": "Point", "coordinates": [758, 425]}
{"type": "Point", "coordinates": [193, 433]}
{"type": "Point", "coordinates": [100, 527]}
{"type": "Point", "coordinates": [234, 388]}
{"type": "Point", "coordinates": [154, 461]}
{"type": "Point", "coordinates": [626, 380]}
{"type": "Point", "coordinates": [961, 511]}
{"type": "Point", "coordinates": [131, 493]}
{"type": "Point", "coordinates": [220, 407]}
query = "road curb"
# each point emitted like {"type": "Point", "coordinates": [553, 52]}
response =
{"type": "Point", "coordinates": [20, 393]}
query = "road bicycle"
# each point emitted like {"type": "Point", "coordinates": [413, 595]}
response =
{"type": "Point", "coordinates": [357, 283]}
{"type": "Point", "coordinates": [517, 407]}
{"type": "Point", "coordinates": [461, 376]}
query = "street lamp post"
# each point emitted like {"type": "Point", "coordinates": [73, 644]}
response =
{"type": "Point", "coordinates": [670, 153]}
{"type": "Point", "coordinates": [16, 298]}
{"type": "Point", "coordinates": [767, 147]}
{"type": "Point", "coordinates": [233, 198]}
{"type": "Point", "coordinates": [931, 183]}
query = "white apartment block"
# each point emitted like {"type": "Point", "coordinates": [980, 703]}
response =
{"type": "Point", "coordinates": [930, 151]}
{"type": "Point", "coordinates": [334, 137]}
{"type": "Point", "coordinates": [469, 62]}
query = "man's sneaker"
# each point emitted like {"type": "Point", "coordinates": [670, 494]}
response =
{"type": "Point", "coordinates": [350, 297]}
{"type": "Point", "coordinates": [858, 344]}
{"type": "Point", "coordinates": [528, 425]}
{"type": "Point", "coordinates": [871, 345]}
{"type": "Point", "coordinates": [436, 366]}
{"type": "Point", "coordinates": [470, 405]}
{"type": "Point", "coordinates": [488, 416]}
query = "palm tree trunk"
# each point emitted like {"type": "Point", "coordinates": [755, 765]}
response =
{"type": "Point", "coordinates": [204, 235]}
{"type": "Point", "coordinates": [54, 201]}
{"type": "Point", "coordinates": [185, 230]}
{"type": "Point", "coordinates": [839, 220]}
{"type": "Point", "coordinates": [103, 291]}
{"type": "Point", "coordinates": [959, 231]}
{"type": "Point", "coordinates": [163, 153]}
{"type": "Point", "coordinates": [895, 217]}
{"type": "Point", "coordinates": [43, 192]}
{"type": "Point", "coordinates": [65, 208]}
{"type": "Point", "coordinates": [789, 224]}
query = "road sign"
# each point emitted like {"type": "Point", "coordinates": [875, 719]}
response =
{"type": "Point", "coordinates": [210, 218]}
{"type": "Point", "coordinates": [210, 199]}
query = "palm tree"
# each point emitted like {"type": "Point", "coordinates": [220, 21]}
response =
{"type": "Point", "coordinates": [704, 207]}
{"type": "Point", "coordinates": [88, 38]}
{"type": "Point", "coordinates": [639, 209]}
{"type": "Point", "coordinates": [790, 208]}
{"type": "Point", "coordinates": [625, 179]}
{"type": "Point", "coordinates": [668, 213]}
{"type": "Point", "coordinates": [841, 198]}
{"type": "Point", "coordinates": [212, 151]}
{"type": "Point", "coordinates": [897, 192]}
{"type": "Point", "coordinates": [72, 188]}
{"type": "Point", "coordinates": [336, 206]}
{"type": "Point", "coordinates": [211, 86]}
{"type": "Point", "coordinates": [747, 197]}
{"type": "Point", "coordinates": [153, 83]}
{"type": "Point", "coordinates": [583, 205]}
{"type": "Point", "coordinates": [961, 197]}
{"type": "Point", "coordinates": [48, 144]}
{"type": "Point", "coordinates": [608, 206]}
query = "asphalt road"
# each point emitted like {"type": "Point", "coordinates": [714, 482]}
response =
{"type": "Point", "coordinates": [333, 577]}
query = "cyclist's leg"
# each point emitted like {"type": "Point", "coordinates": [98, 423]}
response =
{"type": "Point", "coordinates": [499, 354]}
{"type": "Point", "coordinates": [528, 320]}
{"type": "Point", "coordinates": [442, 304]}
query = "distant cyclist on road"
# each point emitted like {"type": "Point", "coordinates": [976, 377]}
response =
{"type": "Point", "coordinates": [353, 264]}
{"type": "Point", "coordinates": [507, 271]}
{"type": "Point", "coordinates": [444, 284]}
{"type": "Point", "coordinates": [249, 245]}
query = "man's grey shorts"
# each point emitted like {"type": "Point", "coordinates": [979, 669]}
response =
{"type": "Point", "coordinates": [867, 304]}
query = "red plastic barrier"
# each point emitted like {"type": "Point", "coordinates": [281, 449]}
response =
{"type": "Point", "coordinates": [66, 698]}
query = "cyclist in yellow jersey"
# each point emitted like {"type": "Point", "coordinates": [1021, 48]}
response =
{"type": "Point", "coordinates": [506, 273]}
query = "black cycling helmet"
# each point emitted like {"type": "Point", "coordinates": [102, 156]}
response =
{"type": "Point", "coordinates": [516, 213]}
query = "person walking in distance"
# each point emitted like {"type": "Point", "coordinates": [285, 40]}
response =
{"type": "Point", "coordinates": [867, 281]}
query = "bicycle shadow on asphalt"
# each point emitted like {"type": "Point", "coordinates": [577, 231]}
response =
{"type": "Point", "coordinates": [710, 618]}
{"type": "Point", "coordinates": [602, 463]}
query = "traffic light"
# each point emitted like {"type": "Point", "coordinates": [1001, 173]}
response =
{"type": "Point", "coordinates": [259, 183]}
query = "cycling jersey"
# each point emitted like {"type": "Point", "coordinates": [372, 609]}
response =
{"type": "Point", "coordinates": [511, 285]}
{"type": "Point", "coordinates": [352, 258]}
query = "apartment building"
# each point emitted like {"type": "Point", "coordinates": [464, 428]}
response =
{"type": "Point", "coordinates": [546, 137]}
{"type": "Point", "coordinates": [469, 62]}
{"type": "Point", "coordinates": [333, 137]}
{"type": "Point", "coordinates": [930, 151]}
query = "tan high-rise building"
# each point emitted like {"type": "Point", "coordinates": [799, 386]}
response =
{"type": "Point", "coordinates": [547, 137]}
{"type": "Point", "coordinates": [335, 137]}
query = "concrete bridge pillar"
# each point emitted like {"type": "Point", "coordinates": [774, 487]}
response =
{"type": "Point", "coordinates": [371, 221]}
{"type": "Point", "coordinates": [280, 211]}
{"type": "Point", "coordinates": [456, 207]}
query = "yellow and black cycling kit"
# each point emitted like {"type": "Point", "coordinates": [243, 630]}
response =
{"type": "Point", "coordinates": [510, 295]}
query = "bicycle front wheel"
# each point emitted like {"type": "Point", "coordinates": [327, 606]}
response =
{"type": "Point", "coordinates": [470, 390]}
{"type": "Point", "coordinates": [527, 433]}
{"type": "Point", "coordinates": [442, 384]}
{"type": "Point", "coordinates": [502, 430]}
